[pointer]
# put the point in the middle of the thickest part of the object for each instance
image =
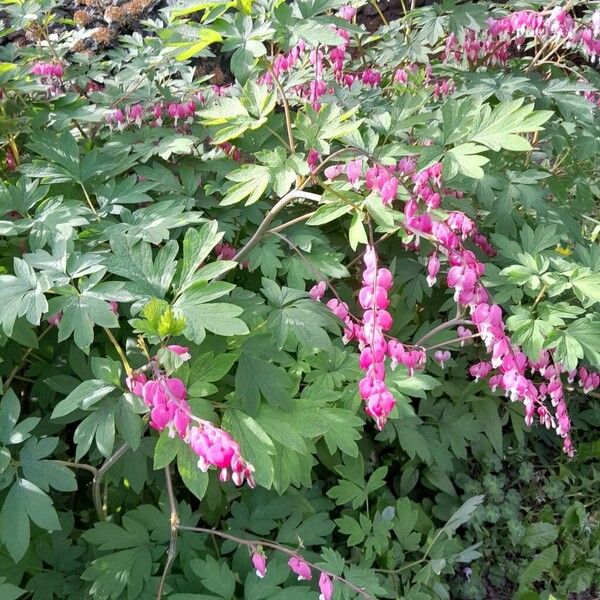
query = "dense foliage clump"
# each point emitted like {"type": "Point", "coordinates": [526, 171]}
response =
{"type": "Point", "coordinates": [323, 325]}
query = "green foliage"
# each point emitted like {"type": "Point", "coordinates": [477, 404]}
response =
{"type": "Point", "coordinates": [124, 243]}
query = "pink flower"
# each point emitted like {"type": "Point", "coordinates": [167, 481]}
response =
{"type": "Point", "coordinates": [354, 170]}
{"type": "Point", "coordinates": [259, 560]}
{"type": "Point", "coordinates": [54, 319]}
{"type": "Point", "coordinates": [347, 12]}
{"type": "Point", "coordinates": [442, 356]}
{"type": "Point", "coordinates": [136, 112]}
{"type": "Point", "coordinates": [318, 291]}
{"type": "Point", "coordinates": [135, 383]}
{"type": "Point", "coordinates": [333, 171]}
{"type": "Point", "coordinates": [181, 351]}
{"type": "Point", "coordinates": [325, 587]}
{"type": "Point", "coordinates": [401, 76]}
{"type": "Point", "coordinates": [313, 159]}
{"type": "Point", "coordinates": [300, 568]}
{"type": "Point", "coordinates": [225, 251]}
{"type": "Point", "coordinates": [433, 268]}
{"type": "Point", "coordinates": [114, 307]}
{"type": "Point", "coordinates": [339, 309]}
{"type": "Point", "coordinates": [389, 190]}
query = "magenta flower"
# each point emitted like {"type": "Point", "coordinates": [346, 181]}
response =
{"type": "Point", "coordinates": [300, 568]}
{"type": "Point", "coordinates": [318, 291]}
{"type": "Point", "coordinates": [347, 12]}
{"type": "Point", "coordinates": [325, 587]}
{"type": "Point", "coordinates": [54, 319]}
{"type": "Point", "coordinates": [181, 351]}
{"type": "Point", "coordinates": [354, 170]}
{"type": "Point", "coordinates": [442, 357]}
{"type": "Point", "coordinates": [259, 560]}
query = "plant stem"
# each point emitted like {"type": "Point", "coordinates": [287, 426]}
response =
{"type": "Point", "coordinates": [286, 110]}
{"type": "Point", "coordinates": [174, 521]}
{"type": "Point", "coordinates": [279, 548]}
{"type": "Point", "coordinates": [89, 200]}
{"type": "Point", "coordinates": [381, 15]}
{"type": "Point", "coordinates": [120, 352]}
{"type": "Point", "coordinates": [291, 222]}
{"type": "Point", "coordinates": [76, 465]}
{"type": "Point", "coordinates": [446, 325]}
{"type": "Point", "coordinates": [264, 226]}
{"type": "Point", "coordinates": [96, 494]}
{"type": "Point", "coordinates": [454, 341]}
{"type": "Point", "coordinates": [540, 295]}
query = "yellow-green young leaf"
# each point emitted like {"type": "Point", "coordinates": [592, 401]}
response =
{"type": "Point", "coordinates": [169, 324]}
{"type": "Point", "coordinates": [188, 7]}
{"type": "Point", "coordinates": [245, 6]}
{"type": "Point", "coordinates": [207, 37]}
{"type": "Point", "coordinates": [252, 180]}
{"type": "Point", "coordinates": [5, 66]}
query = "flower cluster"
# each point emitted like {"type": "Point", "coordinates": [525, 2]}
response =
{"type": "Point", "coordinates": [507, 367]}
{"type": "Point", "coordinates": [51, 74]}
{"type": "Point", "coordinates": [588, 380]}
{"type": "Point", "coordinates": [299, 567]}
{"type": "Point", "coordinates": [492, 45]}
{"type": "Point", "coordinates": [48, 69]}
{"type": "Point", "coordinates": [508, 364]}
{"type": "Point", "coordinates": [136, 113]}
{"type": "Point", "coordinates": [412, 77]}
{"type": "Point", "coordinates": [166, 398]}
{"type": "Point", "coordinates": [373, 297]}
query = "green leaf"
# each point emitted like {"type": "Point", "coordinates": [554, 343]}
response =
{"type": "Point", "coordinates": [581, 338]}
{"type": "Point", "coordinates": [255, 444]}
{"type": "Point", "coordinates": [80, 313]}
{"type": "Point", "coordinates": [252, 183]}
{"type": "Point", "coordinates": [486, 411]}
{"type": "Point", "coordinates": [23, 502]}
{"type": "Point", "coordinates": [197, 244]}
{"type": "Point", "coordinates": [194, 479]}
{"type": "Point", "coordinates": [8, 591]}
{"type": "Point", "coordinates": [206, 38]}
{"type": "Point", "coordinates": [587, 286]}
{"type": "Point", "coordinates": [22, 295]}
{"type": "Point", "coordinates": [467, 159]}
{"type": "Point", "coordinates": [99, 425]}
{"type": "Point", "coordinates": [216, 577]}
{"type": "Point", "coordinates": [166, 450]}
{"type": "Point", "coordinates": [329, 212]}
{"type": "Point", "coordinates": [256, 374]}
{"type": "Point", "coordinates": [83, 396]}
{"type": "Point", "coordinates": [201, 314]}
{"type": "Point", "coordinates": [499, 128]}
{"type": "Point", "coordinates": [10, 409]}
{"type": "Point", "coordinates": [540, 565]}
{"type": "Point", "coordinates": [463, 514]}
{"type": "Point", "coordinates": [577, 581]}
{"type": "Point", "coordinates": [132, 259]}
{"type": "Point", "coordinates": [45, 473]}
{"type": "Point", "coordinates": [539, 535]}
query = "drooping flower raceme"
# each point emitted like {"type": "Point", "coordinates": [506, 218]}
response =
{"type": "Point", "coordinates": [214, 447]}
